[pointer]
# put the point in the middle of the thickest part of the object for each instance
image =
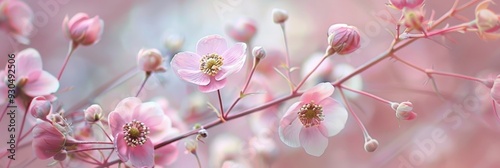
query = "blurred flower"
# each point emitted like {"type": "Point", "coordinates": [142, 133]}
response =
{"type": "Point", "coordinates": [242, 29]}
{"type": "Point", "coordinates": [16, 18]}
{"type": "Point", "coordinates": [414, 19]}
{"type": "Point", "coordinates": [321, 73]}
{"type": "Point", "coordinates": [225, 147]}
{"type": "Point", "coordinates": [309, 122]}
{"type": "Point", "coordinates": [136, 126]}
{"type": "Point", "coordinates": [404, 110]}
{"type": "Point", "coordinates": [211, 64]}
{"type": "Point", "coordinates": [487, 22]}
{"type": "Point", "coordinates": [166, 155]}
{"type": "Point", "coordinates": [258, 52]}
{"type": "Point", "coordinates": [47, 140]}
{"type": "Point", "coordinates": [173, 42]}
{"type": "Point", "coordinates": [30, 78]}
{"type": "Point", "coordinates": [191, 146]}
{"type": "Point", "coordinates": [401, 4]}
{"type": "Point", "coordinates": [150, 60]}
{"type": "Point", "coordinates": [93, 113]}
{"type": "Point", "coordinates": [173, 114]}
{"type": "Point", "coordinates": [343, 39]}
{"type": "Point", "coordinates": [355, 82]}
{"type": "Point", "coordinates": [40, 108]}
{"type": "Point", "coordinates": [280, 16]}
{"type": "Point", "coordinates": [82, 29]}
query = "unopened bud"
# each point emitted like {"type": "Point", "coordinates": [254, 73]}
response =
{"type": "Point", "coordinates": [40, 108]}
{"type": "Point", "coordinates": [401, 4]}
{"type": "Point", "coordinates": [174, 42]}
{"type": "Point", "coordinates": [343, 39]}
{"type": "Point", "coordinates": [371, 145]}
{"type": "Point", "coordinates": [259, 52]}
{"type": "Point", "coordinates": [191, 146]}
{"type": "Point", "coordinates": [150, 60]}
{"type": "Point", "coordinates": [242, 29]}
{"type": "Point", "coordinates": [404, 111]}
{"type": "Point", "coordinates": [486, 20]}
{"type": "Point", "coordinates": [279, 16]}
{"type": "Point", "coordinates": [82, 29]}
{"type": "Point", "coordinates": [414, 19]}
{"type": "Point", "coordinates": [93, 113]}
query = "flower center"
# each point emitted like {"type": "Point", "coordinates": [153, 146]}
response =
{"type": "Point", "coordinates": [211, 64]}
{"type": "Point", "coordinates": [135, 133]}
{"type": "Point", "coordinates": [311, 114]}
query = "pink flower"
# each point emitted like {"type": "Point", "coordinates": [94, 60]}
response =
{"type": "Point", "coordinates": [401, 4]}
{"type": "Point", "coordinates": [47, 140]}
{"type": "Point", "coordinates": [150, 60]}
{"type": "Point", "coordinates": [17, 19]}
{"type": "Point", "coordinates": [343, 39]}
{"type": "Point", "coordinates": [242, 29]}
{"type": "Point", "coordinates": [82, 29]}
{"type": "Point", "coordinates": [211, 64]}
{"type": "Point", "coordinates": [309, 122]}
{"type": "Point", "coordinates": [166, 155]}
{"type": "Point", "coordinates": [31, 79]}
{"type": "Point", "coordinates": [136, 126]}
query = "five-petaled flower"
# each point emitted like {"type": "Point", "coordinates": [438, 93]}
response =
{"type": "Point", "coordinates": [211, 64]}
{"type": "Point", "coordinates": [136, 126]}
{"type": "Point", "coordinates": [309, 122]}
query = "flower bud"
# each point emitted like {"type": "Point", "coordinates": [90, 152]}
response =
{"type": "Point", "coordinates": [279, 16]}
{"type": "Point", "coordinates": [16, 18]}
{"type": "Point", "coordinates": [404, 111]}
{"type": "Point", "coordinates": [414, 19]}
{"type": "Point", "coordinates": [371, 145]}
{"type": "Point", "coordinates": [259, 52]}
{"type": "Point", "coordinates": [401, 4]}
{"type": "Point", "coordinates": [93, 113]}
{"type": "Point", "coordinates": [191, 146]}
{"type": "Point", "coordinates": [40, 108]}
{"type": "Point", "coordinates": [343, 39]}
{"type": "Point", "coordinates": [150, 60]}
{"type": "Point", "coordinates": [486, 20]}
{"type": "Point", "coordinates": [82, 29]}
{"type": "Point", "coordinates": [242, 30]}
{"type": "Point", "coordinates": [174, 42]}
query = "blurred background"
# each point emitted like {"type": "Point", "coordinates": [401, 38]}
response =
{"type": "Point", "coordinates": [460, 130]}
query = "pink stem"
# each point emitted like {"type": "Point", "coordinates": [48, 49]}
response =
{"type": "Point", "coordinates": [143, 83]}
{"type": "Point", "coordinates": [89, 149]}
{"type": "Point", "coordinates": [310, 73]}
{"type": "Point", "coordinates": [366, 94]}
{"type": "Point", "coordinates": [361, 125]}
{"type": "Point", "coordinates": [72, 47]}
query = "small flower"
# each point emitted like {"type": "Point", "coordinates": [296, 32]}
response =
{"type": "Point", "coordinates": [150, 60]}
{"type": "Point", "coordinates": [309, 122]}
{"type": "Point", "coordinates": [414, 19]}
{"type": "Point", "coordinates": [487, 22]}
{"type": "Point", "coordinates": [404, 110]}
{"type": "Point", "coordinates": [47, 140]}
{"type": "Point", "coordinates": [258, 52]}
{"type": "Point", "coordinates": [343, 39]}
{"type": "Point", "coordinates": [82, 29]}
{"type": "Point", "coordinates": [136, 126]}
{"type": "Point", "coordinates": [40, 108]}
{"type": "Point", "coordinates": [242, 29]}
{"type": "Point", "coordinates": [371, 145]}
{"type": "Point", "coordinates": [402, 4]}
{"type": "Point", "coordinates": [17, 19]}
{"type": "Point", "coordinates": [93, 113]}
{"type": "Point", "coordinates": [31, 79]}
{"type": "Point", "coordinates": [280, 16]}
{"type": "Point", "coordinates": [211, 64]}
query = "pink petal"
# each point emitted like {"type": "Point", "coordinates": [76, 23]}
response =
{"type": "Point", "coordinates": [335, 116]}
{"type": "Point", "coordinates": [76, 19]}
{"type": "Point", "coordinates": [28, 60]}
{"type": "Point", "coordinates": [150, 113]}
{"type": "Point", "coordinates": [213, 85]}
{"type": "Point", "coordinates": [186, 60]}
{"type": "Point", "coordinates": [44, 85]}
{"type": "Point", "coordinates": [289, 134]}
{"type": "Point", "coordinates": [116, 123]}
{"type": "Point", "coordinates": [196, 77]}
{"type": "Point", "coordinates": [213, 44]}
{"type": "Point", "coordinates": [20, 17]}
{"type": "Point", "coordinates": [94, 31]}
{"type": "Point", "coordinates": [167, 154]}
{"type": "Point", "coordinates": [317, 93]}
{"type": "Point", "coordinates": [121, 147]}
{"type": "Point", "coordinates": [47, 140]}
{"type": "Point", "coordinates": [142, 156]}
{"type": "Point", "coordinates": [234, 59]}
{"type": "Point", "coordinates": [127, 106]}
{"type": "Point", "coordinates": [291, 114]}
{"type": "Point", "coordinates": [313, 141]}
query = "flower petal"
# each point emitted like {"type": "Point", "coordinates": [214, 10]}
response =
{"type": "Point", "coordinates": [167, 154]}
{"type": "Point", "coordinates": [186, 60]}
{"type": "Point", "coordinates": [291, 114]}
{"type": "Point", "coordinates": [143, 155]}
{"type": "Point", "coordinates": [335, 116]}
{"type": "Point", "coordinates": [234, 59]}
{"type": "Point", "coordinates": [126, 107]}
{"type": "Point", "coordinates": [196, 77]}
{"type": "Point", "coordinates": [116, 122]}
{"type": "Point", "coordinates": [211, 44]}
{"type": "Point", "coordinates": [289, 134]}
{"type": "Point", "coordinates": [317, 93]}
{"type": "Point", "coordinates": [313, 141]}
{"type": "Point", "coordinates": [150, 113]}
{"type": "Point", "coordinates": [213, 85]}
{"type": "Point", "coordinates": [121, 147]}
{"type": "Point", "coordinates": [27, 60]}
{"type": "Point", "coordinates": [47, 140]}
{"type": "Point", "coordinates": [44, 85]}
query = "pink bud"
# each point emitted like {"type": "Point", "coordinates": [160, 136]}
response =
{"type": "Point", "coordinates": [343, 39]}
{"type": "Point", "coordinates": [495, 90]}
{"type": "Point", "coordinates": [401, 4]}
{"type": "Point", "coordinates": [40, 108]}
{"type": "Point", "coordinates": [47, 140]}
{"type": "Point", "coordinates": [242, 29]}
{"type": "Point", "coordinates": [404, 111]}
{"type": "Point", "coordinates": [17, 18]}
{"type": "Point", "coordinates": [150, 60]}
{"type": "Point", "coordinates": [371, 145]}
{"type": "Point", "coordinates": [414, 19]}
{"type": "Point", "coordinates": [93, 113]}
{"type": "Point", "coordinates": [280, 16]}
{"type": "Point", "coordinates": [486, 20]}
{"type": "Point", "coordinates": [82, 29]}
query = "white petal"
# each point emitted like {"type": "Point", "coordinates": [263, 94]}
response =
{"type": "Point", "coordinates": [313, 141]}
{"type": "Point", "coordinates": [290, 134]}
